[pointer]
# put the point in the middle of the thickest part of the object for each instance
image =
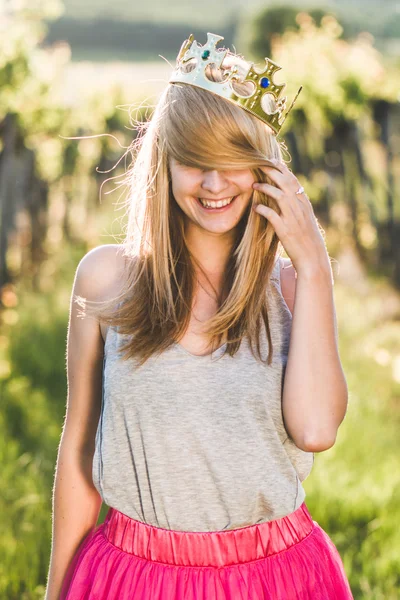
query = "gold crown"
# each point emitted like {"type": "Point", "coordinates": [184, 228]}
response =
{"type": "Point", "coordinates": [263, 83]}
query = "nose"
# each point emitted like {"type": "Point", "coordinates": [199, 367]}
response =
{"type": "Point", "coordinates": [214, 182]}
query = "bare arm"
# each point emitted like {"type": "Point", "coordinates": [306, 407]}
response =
{"type": "Point", "coordinates": [76, 502]}
{"type": "Point", "coordinates": [315, 391]}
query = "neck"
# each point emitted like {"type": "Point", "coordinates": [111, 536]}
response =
{"type": "Point", "coordinates": [211, 250]}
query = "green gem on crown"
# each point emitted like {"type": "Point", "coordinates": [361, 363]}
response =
{"type": "Point", "coordinates": [205, 54]}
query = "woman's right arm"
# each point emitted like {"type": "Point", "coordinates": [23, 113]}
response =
{"type": "Point", "coordinates": [76, 502]}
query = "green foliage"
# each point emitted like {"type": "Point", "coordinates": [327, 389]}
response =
{"type": "Point", "coordinates": [33, 393]}
{"type": "Point", "coordinates": [23, 72]}
{"type": "Point", "coordinates": [275, 21]}
{"type": "Point", "coordinates": [24, 504]}
{"type": "Point", "coordinates": [28, 75]}
{"type": "Point", "coordinates": [29, 435]}
{"type": "Point", "coordinates": [339, 77]}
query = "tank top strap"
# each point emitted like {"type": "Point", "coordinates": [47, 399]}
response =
{"type": "Point", "coordinates": [112, 334]}
{"type": "Point", "coordinates": [275, 274]}
{"type": "Point", "coordinates": [281, 302]}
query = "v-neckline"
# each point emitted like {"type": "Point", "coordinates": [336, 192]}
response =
{"type": "Point", "coordinates": [218, 352]}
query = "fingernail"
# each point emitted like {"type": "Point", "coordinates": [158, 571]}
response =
{"type": "Point", "coordinates": [256, 185]}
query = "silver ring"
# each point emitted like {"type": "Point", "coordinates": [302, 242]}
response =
{"type": "Point", "coordinates": [300, 190]}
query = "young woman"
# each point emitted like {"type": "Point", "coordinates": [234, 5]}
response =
{"type": "Point", "coordinates": [203, 370]}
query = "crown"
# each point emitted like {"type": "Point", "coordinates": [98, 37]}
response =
{"type": "Point", "coordinates": [263, 82]}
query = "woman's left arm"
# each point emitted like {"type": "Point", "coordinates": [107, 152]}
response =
{"type": "Point", "coordinates": [315, 394]}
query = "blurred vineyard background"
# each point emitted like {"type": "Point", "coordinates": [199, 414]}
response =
{"type": "Point", "coordinates": [83, 69]}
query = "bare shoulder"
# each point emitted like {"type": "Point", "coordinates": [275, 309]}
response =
{"type": "Point", "coordinates": [288, 282]}
{"type": "Point", "coordinates": [99, 276]}
{"type": "Point", "coordinates": [100, 271]}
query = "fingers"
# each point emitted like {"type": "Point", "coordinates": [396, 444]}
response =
{"type": "Point", "coordinates": [276, 174]}
{"type": "Point", "coordinates": [282, 176]}
{"type": "Point", "coordinates": [269, 190]}
{"type": "Point", "coordinates": [287, 184]}
{"type": "Point", "coordinates": [275, 193]}
{"type": "Point", "coordinates": [271, 215]}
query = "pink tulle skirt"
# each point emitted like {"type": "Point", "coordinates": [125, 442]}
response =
{"type": "Point", "coordinates": [291, 558]}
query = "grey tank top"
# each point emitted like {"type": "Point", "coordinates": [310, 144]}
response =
{"type": "Point", "coordinates": [197, 443]}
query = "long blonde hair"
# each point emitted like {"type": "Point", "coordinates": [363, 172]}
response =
{"type": "Point", "coordinates": [202, 130]}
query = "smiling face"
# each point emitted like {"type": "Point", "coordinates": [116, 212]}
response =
{"type": "Point", "coordinates": [193, 188]}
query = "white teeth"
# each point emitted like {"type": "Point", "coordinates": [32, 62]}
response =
{"type": "Point", "coordinates": [209, 204]}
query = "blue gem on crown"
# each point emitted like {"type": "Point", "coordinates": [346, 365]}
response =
{"type": "Point", "coordinates": [205, 54]}
{"type": "Point", "coordinates": [264, 82]}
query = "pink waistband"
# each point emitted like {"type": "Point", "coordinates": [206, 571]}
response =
{"type": "Point", "coordinates": [207, 548]}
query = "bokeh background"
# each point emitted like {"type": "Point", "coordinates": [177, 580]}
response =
{"type": "Point", "coordinates": [74, 76]}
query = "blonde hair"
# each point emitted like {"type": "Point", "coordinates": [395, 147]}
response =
{"type": "Point", "coordinates": [154, 307]}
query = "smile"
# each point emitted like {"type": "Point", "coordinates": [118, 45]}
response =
{"type": "Point", "coordinates": [216, 205]}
